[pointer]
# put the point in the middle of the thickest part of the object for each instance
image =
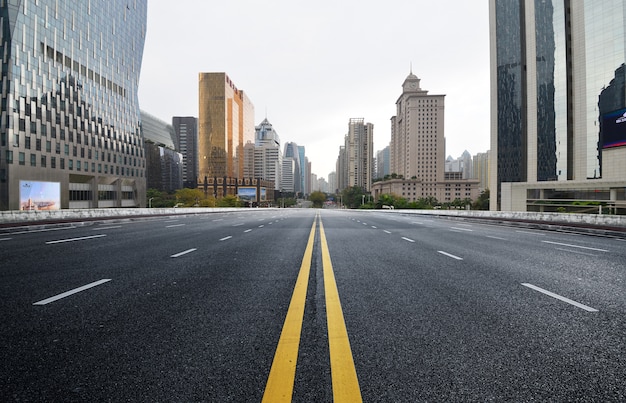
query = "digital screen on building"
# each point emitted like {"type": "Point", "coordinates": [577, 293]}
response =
{"type": "Point", "coordinates": [40, 195]}
{"type": "Point", "coordinates": [263, 194]}
{"type": "Point", "coordinates": [614, 129]}
{"type": "Point", "coordinates": [247, 193]}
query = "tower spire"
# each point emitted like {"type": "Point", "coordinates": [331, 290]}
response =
{"type": "Point", "coordinates": [411, 68]}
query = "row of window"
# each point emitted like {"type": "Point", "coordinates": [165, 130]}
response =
{"type": "Point", "coordinates": [80, 165]}
{"type": "Point", "coordinates": [75, 150]}
{"type": "Point", "coordinates": [71, 135]}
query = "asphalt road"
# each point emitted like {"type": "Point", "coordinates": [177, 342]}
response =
{"type": "Point", "coordinates": [191, 308]}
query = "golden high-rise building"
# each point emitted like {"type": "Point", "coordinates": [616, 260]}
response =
{"type": "Point", "coordinates": [225, 125]}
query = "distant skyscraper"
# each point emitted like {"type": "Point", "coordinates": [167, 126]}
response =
{"type": "Point", "coordinates": [186, 129]}
{"type": "Point", "coordinates": [268, 157]}
{"type": "Point", "coordinates": [417, 134]}
{"type": "Point", "coordinates": [359, 154]}
{"type": "Point", "coordinates": [266, 135]}
{"type": "Point", "coordinates": [382, 163]}
{"type": "Point", "coordinates": [480, 170]}
{"type": "Point", "coordinates": [558, 85]}
{"type": "Point", "coordinates": [225, 125]}
{"type": "Point", "coordinates": [292, 151]}
{"type": "Point", "coordinates": [417, 151]}
{"type": "Point", "coordinates": [305, 180]}
{"type": "Point", "coordinates": [70, 113]}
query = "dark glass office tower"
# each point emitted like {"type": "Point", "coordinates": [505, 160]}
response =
{"type": "Point", "coordinates": [70, 124]}
{"type": "Point", "coordinates": [556, 74]}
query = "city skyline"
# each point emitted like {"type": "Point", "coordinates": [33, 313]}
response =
{"type": "Point", "coordinates": [309, 68]}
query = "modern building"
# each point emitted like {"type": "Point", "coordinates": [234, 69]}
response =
{"type": "Point", "coordinates": [186, 133]}
{"type": "Point", "coordinates": [332, 182]}
{"type": "Point", "coordinates": [382, 163]}
{"type": "Point", "coordinates": [288, 180]}
{"type": "Point", "coordinates": [480, 170]}
{"type": "Point", "coordinates": [358, 155]}
{"type": "Point", "coordinates": [225, 125]}
{"type": "Point", "coordinates": [70, 125]}
{"type": "Point", "coordinates": [558, 132]}
{"type": "Point", "coordinates": [305, 171]}
{"type": "Point", "coordinates": [292, 180]}
{"type": "Point", "coordinates": [164, 164]}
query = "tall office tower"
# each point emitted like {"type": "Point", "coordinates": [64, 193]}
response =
{"type": "Point", "coordinates": [417, 134]}
{"type": "Point", "coordinates": [292, 151]}
{"type": "Point", "coordinates": [69, 130]}
{"type": "Point", "coordinates": [359, 154]}
{"type": "Point", "coordinates": [186, 129]}
{"type": "Point", "coordinates": [268, 157]}
{"type": "Point", "coordinates": [266, 135]}
{"type": "Point", "coordinates": [557, 102]}
{"type": "Point", "coordinates": [288, 180]}
{"type": "Point", "coordinates": [225, 125]}
{"type": "Point", "coordinates": [304, 171]}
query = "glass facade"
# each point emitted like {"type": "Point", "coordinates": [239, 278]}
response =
{"type": "Point", "coordinates": [545, 68]}
{"type": "Point", "coordinates": [605, 51]}
{"type": "Point", "coordinates": [511, 84]}
{"type": "Point", "coordinates": [70, 71]}
{"type": "Point", "coordinates": [559, 75]}
{"type": "Point", "coordinates": [225, 125]}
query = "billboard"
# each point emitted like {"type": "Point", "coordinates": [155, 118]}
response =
{"type": "Point", "coordinates": [263, 194]}
{"type": "Point", "coordinates": [614, 129]}
{"type": "Point", "coordinates": [246, 193]}
{"type": "Point", "coordinates": [40, 195]}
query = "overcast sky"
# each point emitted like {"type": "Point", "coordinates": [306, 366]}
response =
{"type": "Point", "coordinates": [311, 66]}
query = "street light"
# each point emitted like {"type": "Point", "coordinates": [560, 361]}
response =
{"type": "Point", "coordinates": [150, 202]}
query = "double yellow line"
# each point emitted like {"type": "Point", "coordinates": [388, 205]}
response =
{"type": "Point", "coordinates": [280, 382]}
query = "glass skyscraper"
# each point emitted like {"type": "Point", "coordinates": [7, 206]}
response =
{"type": "Point", "coordinates": [70, 122]}
{"type": "Point", "coordinates": [557, 72]}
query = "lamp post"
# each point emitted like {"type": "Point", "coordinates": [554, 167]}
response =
{"type": "Point", "coordinates": [150, 202]}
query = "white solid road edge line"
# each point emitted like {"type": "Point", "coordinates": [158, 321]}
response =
{"type": "Point", "coordinates": [575, 246]}
{"type": "Point", "coordinates": [184, 252]}
{"type": "Point", "coordinates": [559, 297]}
{"type": "Point", "coordinates": [70, 292]}
{"type": "Point", "coordinates": [450, 255]}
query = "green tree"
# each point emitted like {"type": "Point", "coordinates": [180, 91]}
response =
{"type": "Point", "coordinates": [229, 201]}
{"type": "Point", "coordinates": [189, 197]}
{"type": "Point", "coordinates": [353, 196]}
{"type": "Point", "coordinates": [318, 198]}
{"type": "Point", "coordinates": [156, 199]}
{"type": "Point", "coordinates": [482, 203]}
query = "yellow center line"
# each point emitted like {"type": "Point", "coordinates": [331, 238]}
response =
{"type": "Point", "coordinates": [343, 373]}
{"type": "Point", "coordinates": [279, 387]}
